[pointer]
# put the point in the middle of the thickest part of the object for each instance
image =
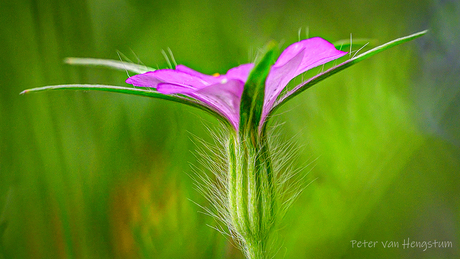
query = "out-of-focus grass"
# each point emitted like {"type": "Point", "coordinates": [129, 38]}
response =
{"type": "Point", "coordinates": [99, 175]}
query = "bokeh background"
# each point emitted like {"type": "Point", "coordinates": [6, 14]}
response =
{"type": "Point", "coordinates": [103, 175]}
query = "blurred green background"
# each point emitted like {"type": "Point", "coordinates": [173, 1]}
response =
{"type": "Point", "coordinates": [103, 175]}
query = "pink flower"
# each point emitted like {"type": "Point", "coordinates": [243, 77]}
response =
{"type": "Point", "coordinates": [222, 93]}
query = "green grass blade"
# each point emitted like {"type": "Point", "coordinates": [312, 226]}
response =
{"type": "Point", "coordinates": [314, 80]}
{"type": "Point", "coordinates": [388, 45]}
{"type": "Point", "coordinates": [344, 44]}
{"type": "Point", "coordinates": [147, 92]}
{"type": "Point", "coordinates": [114, 64]}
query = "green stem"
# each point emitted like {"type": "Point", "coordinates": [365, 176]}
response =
{"type": "Point", "coordinates": [251, 193]}
{"type": "Point", "coordinates": [257, 251]}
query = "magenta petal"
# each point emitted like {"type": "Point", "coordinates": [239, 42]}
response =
{"type": "Point", "coordinates": [207, 78]}
{"type": "Point", "coordinates": [180, 78]}
{"type": "Point", "coordinates": [188, 70]}
{"type": "Point", "coordinates": [240, 72]}
{"type": "Point", "coordinates": [224, 97]}
{"type": "Point", "coordinates": [318, 51]}
{"type": "Point", "coordinates": [221, 93]}
{"type": "Point", "coordinates": [153, 78]}
{"type": "Point", "coordinates": [167, 88]}
{"type": "Point", "coordinates": [278, 78]}
{"type": "Point", "coordinates": [144, 80]}
{"type": "Point", "coordinates": [295, 60]}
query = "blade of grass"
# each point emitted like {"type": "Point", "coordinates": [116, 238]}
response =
{"type": "Point", "coordinates": [114, 64]}
{"type": "Point", "coordinates": [345, 43]}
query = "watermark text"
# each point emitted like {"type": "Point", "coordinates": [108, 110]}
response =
{"type": "Point", "coordinates": [404, 244]}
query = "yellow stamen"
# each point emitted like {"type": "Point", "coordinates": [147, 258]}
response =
{"type": "Point", "coordinates": [216, 75]}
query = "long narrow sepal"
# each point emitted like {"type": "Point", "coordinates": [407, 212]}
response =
{"type": "Point", "coordinates": [147, 92]}
{"type": "Point", "coordinates": [346, 44]}
{"type": "Point", "coordinates": [252, 99]}
{"type": "Point", "coordinates": [114, 64]}
{"type": "Point", "coordinates": [309, 83]}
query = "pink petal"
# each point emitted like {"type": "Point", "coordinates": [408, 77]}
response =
{"type": "Point", "coordinates": [280, 76]}
{"type": "Point", "coordinates": [224, 97]}
{"type": "Point", "coordinates": [178, 77]}
{"type": "Point", "coordinates": [295, 60]}
{"type": "Point", "coordinates": [207, 78]}
{"type": "Point", "coordinates": [221, 93]}
{"type": "Point", "coordinates": [318, 51]}
{"type": "Point", "coordinates": [153, 78]}
{"type": "Point", "coordinates": [144, 80]}
{"type": "Point", "coordinates": [240, 72]}
{"type": "Point", "coordinates": [167, 88]}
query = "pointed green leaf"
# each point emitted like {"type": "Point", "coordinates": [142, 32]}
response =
{"type": "Point", "coordinates": [148, 92]}
{"type": "Point", "coordinates": [115, 64]}
{"type": "Point", "coordinates": [312, 81]}
{"type": "Point", "coordinates": [252, 99]}
{"type": "Point", "coordinates": [346, 43]}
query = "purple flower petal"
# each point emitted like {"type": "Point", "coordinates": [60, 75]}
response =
{"type": "Point", "coordinates": [224, 97]}
{"type": "Point", "coordinates": [144, 80]}
{"type": "Point", "coordinates": [153, 78]}
{"type": "Point", "coordinates": [207, 78]}
{"type": "Point", "coordinates": [240, 72]}
{"type": "Point", "coordinates": [221, 93]}
{"type": "Point", "coordinates": [295, 60]}
{"type": "Point", "coordinates": [280, 76]}
{"type": "Point", "coordinates": [168, 88]}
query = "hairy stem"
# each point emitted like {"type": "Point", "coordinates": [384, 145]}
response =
{"type": "Point", "coordinates": [251, 193]}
